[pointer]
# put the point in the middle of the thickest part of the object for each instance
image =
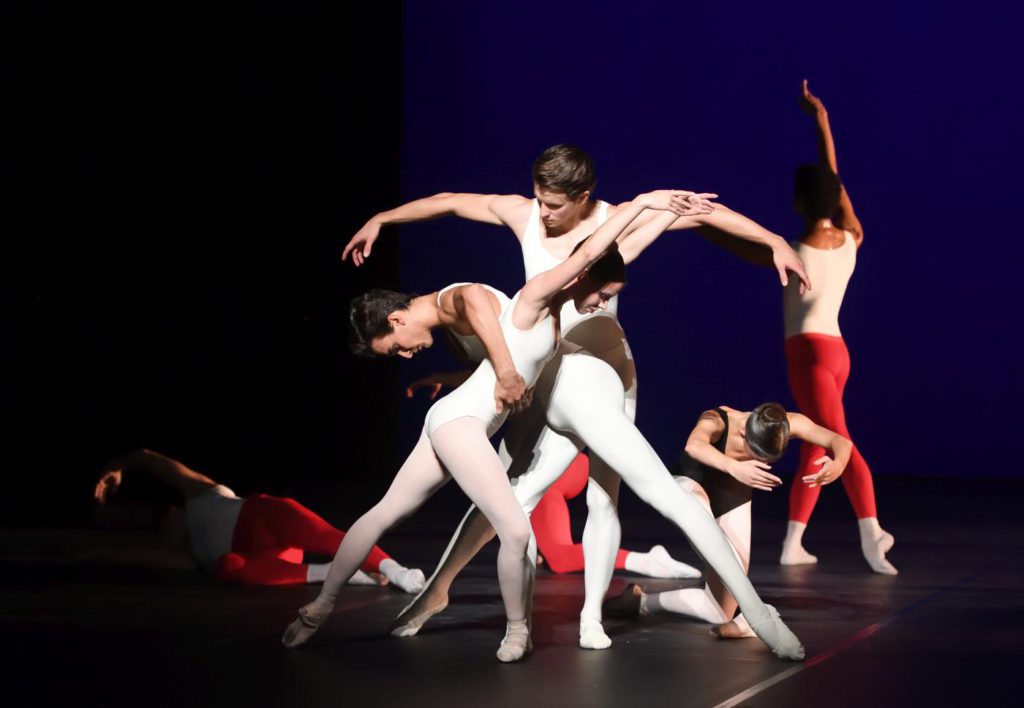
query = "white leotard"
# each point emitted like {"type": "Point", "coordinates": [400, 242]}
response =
{"type": "Point", "coordinates": [817, 310]}
{"type": "Point", "coordinates": [210, 519]}
{"type": "Point", "coordinates": [470, 343]}
{"type": "Point", "coordinates": [537, 259]}
{"type": "Point", "coordinates": [530, 349]}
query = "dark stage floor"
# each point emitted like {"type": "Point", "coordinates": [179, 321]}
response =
{"type": "Point", "coordinates": [947, 631]}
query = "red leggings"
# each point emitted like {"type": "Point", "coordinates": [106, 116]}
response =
{"type": "Point", "coordinates": [550, 521]}
{"type": "Point", "coordinates": [271, 536]}
{"type": "Point", "coordinates": [819, 365]}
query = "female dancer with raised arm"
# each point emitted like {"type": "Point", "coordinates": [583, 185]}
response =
{"type": "Point", "coordinates": [819, 362]}
{"type": "Point", "coordinates": [457, 428]}
{"type": "Point", "coordinates": [728, 455]}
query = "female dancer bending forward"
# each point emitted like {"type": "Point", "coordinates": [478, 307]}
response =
{"type": "Point", "coordinates": [725, 459]}
{"type": "Point", "coordinates": [456, 431]}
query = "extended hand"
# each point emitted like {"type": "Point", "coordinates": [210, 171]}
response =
{"type": "Point", "coordinates": [829, 472]}
{"type": "Point", "coordinates": [107, 485]}
{"type": "Point", "coordinates": [362, 243]}
{"type": "Point", "coordinates": [754, 473]}
{"type": "Point", "coordinates": [680, 201]}
{"type": "Point", "coordinates": [510, 392]}
{"type": "Point", "coordinates": [810, 103]}
{"type": "Point", "coordinates": [785, 259]}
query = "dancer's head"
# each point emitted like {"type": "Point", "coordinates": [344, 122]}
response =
{"type": "Point", "coordinates": [766, 434]}
{"type": "Point", "coordinates": [563, 180]}
{"type": "Point", "coordinates": [816, 190]}
{"type": "Point", "coordinates": [599, 283]}
{"type": "Point", "coordinates": [384, 325]}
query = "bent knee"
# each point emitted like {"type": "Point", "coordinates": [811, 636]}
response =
{"type": "Point", "coordinates": [229, 565]}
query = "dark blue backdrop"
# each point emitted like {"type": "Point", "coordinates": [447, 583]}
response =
{"type": "Point", "coordinates": [692, 96]}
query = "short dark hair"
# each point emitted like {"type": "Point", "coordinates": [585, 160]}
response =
{"type": "Point", "coordinates": [368, 315]}
{"type": "Point", "coordinates": [818, 189]}
{"type": "Point", "coordinates": [768, 431]}
{"type": "Point", "coordinates": [565, 168]}
{"type": "Point", "coordinates": [609, 268]}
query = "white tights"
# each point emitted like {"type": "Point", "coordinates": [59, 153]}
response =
{"type": "Point", "coordinates": [459, 447]}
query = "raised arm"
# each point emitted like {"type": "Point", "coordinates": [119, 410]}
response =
{"type": "Point", "coordinates": [700, 446]}
{"type": "Point", "coordinates": [845, 218]}
{"type": "Point", "coordinates": [473, 304]}
{"type": "Point", "coordinates": [536, 295]}
{"type": "Point", "coordinates": [485, 208]}
{"type": "Point", "coordinates": [803, 428]}
{"type": "Point", "coordinates": [187, 482]}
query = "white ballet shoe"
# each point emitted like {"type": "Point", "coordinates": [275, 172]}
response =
{"type": "Point", "coordinates": [796, 555]}
{"type": "Point", "coordinates": [305, 625]}
{"type": "Point", "coordinates": [592, 635]}
{"type": "Point", "coordinates": [779, 638]}
{"type": "Point", "coordinates": [411, 619]}
{"type": "Point", "coordinates": [875, 542]}
{"type": "Point", "coordinates": [517, 642]}
{"type": "Point", "coordinates": [411, 580]}
{"type": "Point", "coordinates": [669, 567]}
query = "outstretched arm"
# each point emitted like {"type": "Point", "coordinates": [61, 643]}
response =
{"type": "Point", "coordinates": [485, 208]}
{"type": "Point", "coordinates": [736, 233]}
{"type": "Point", "coordinates": [845, 218]}
{"type": "Point", "coordinates": [187, 482]}
{"type": "Point", "coordinates": [700, 446]}
{"type": "Point", "coordinates": [803, 428]}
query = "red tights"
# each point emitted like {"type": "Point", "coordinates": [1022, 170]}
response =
{"type": "Point", "coordinates": [271, 536]}
{"type": "Point", "coordinates": [819, 365]}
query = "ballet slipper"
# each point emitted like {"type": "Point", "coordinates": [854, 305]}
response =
{"type": "Point", "coordinates": [779, 638]}
{"type": "Point", "coordinates": [517, 642]}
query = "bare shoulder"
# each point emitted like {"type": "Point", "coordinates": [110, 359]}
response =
{"type": "Point", "coordinates": [513, 210]}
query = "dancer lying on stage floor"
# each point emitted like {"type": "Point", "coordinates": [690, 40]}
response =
{"type": "Point", "coordinates": [727, 456]}
{"type": "Point", "coordinates": [455, 440]}
{"type": "Point", "coordinates": [259, 540]}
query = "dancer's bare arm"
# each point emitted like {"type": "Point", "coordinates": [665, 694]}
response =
{"type": "Point", "coordinates": [739, 235]}
{"type": "Point", "coordinates": [701, 447]}
{"type": "Point", "coordinates": [187, 482]}
{"type": "Point", "coordinates": [536, 295]}
{"type": "Point", "coordinates": [845, 218]}
{"type": "Point", "coordinates": [474, 305]}
{"type": "Point", "coordinates": [803, 428]}
{"type": "Point", "coordinates": [508, 209]}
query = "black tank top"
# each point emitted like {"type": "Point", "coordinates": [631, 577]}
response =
{"type": "Point", "coordinates": [723, 490]}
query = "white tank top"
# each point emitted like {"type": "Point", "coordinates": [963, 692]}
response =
{"type": "Point", "coordinates": [471, 343]}
{"type": "Point", "coordinates": [531, 349]}
{"type": "Point", "coordinates": [538, 259]}
{"type": "Point", "coordinates": [210, 519]}
{"type": "Point", "coordinates": [829, 270]}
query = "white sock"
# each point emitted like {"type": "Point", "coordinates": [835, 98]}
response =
{"type": "Point", "coordinates": [875, 542]}
{"type": "Point", "coordinates": [592, 635]}
{"type": "Point", "coordinates": [697, 603]}
{"type": "Point", "coordinates": [793, 551]}
{"type": "Point", "coordinates": [411, 580]}
{"type": "Point", "coordinates": [317, 572]}
{"type": "Point", "coordinates": [657, 563]}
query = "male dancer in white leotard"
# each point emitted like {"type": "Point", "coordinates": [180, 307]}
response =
{"type": "Point", "coordinates": [548, 227]}
{"type": "Point", "coordinates": [457, 428]}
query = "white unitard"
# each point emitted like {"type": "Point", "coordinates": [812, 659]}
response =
{"type": "Point", "coordinates": [455, 442]}
{"type": "Point", "coordinates": [601, 335]}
